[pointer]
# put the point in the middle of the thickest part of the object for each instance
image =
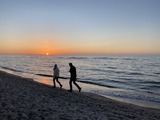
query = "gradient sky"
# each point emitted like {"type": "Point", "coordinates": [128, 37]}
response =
{"type": "Point", "coordinates": [79, 26]}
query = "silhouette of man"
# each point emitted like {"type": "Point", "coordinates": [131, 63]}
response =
{"type": "Point", "coordinates": [56, 76]}
{"type": "Point", "coordinates": [73, 77]}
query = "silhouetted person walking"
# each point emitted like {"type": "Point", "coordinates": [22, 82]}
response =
{"type": "Point", "coordinates": [73, 77]}
{"type": "Point", "coordinates": [56, 76]}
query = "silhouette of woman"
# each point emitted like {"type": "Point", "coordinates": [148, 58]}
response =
{"type": "Point", "coordinates": [56, 76]}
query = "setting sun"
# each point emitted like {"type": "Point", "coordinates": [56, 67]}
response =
{"type": "Point", "coordinates": [51, 28]}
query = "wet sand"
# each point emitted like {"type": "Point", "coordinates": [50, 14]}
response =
{"type": "Point", "coordinates": [25, 99]}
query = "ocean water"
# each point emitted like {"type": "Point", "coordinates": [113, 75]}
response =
{"type": "Point", "coordinates": [134, 77]}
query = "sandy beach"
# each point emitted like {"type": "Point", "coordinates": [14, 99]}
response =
{"type": "Point", "coordinates": [25, 99]}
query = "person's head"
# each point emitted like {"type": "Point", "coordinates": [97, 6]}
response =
{"type": "Point", "coordinates": [70, 64]}
{"type": "Point", "coordinates": [55, 65]}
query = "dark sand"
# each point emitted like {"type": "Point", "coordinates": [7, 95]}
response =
{"type": "Point", "coordinates": [25, 99]}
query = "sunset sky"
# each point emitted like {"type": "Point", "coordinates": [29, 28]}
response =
{"type": "Point", "coordinates": [79, 26]}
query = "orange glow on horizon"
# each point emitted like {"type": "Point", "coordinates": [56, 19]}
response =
{"type": "Point", "coordinates": [48, 46]}
{"type": "Point", "coordinates": [63, 50]}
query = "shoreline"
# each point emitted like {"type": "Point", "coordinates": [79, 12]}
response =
{"type": "Point", "coordinates": [94, 88]}
{"type": "Point", "coordinates": [87, 87]}
{"type": "Point", "coordinates": [23, 98]}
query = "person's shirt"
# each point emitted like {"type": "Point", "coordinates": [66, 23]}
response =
{"type": "Point", "coordinates": [73, 72]}
{"type": "Point", "coordinates": [56, 72]}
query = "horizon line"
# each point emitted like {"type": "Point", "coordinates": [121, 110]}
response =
{"type": "Point", "coordinates": [79, 54]}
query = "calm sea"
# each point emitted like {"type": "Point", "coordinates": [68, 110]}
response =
{"type": "Point", "coordinates": [132, 77]}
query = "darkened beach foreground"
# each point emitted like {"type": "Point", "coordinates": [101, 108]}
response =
{"type": "Point", "coordinates": [22, 98]}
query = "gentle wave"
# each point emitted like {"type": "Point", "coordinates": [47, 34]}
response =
{"type": "Point", "coordinates": [128, 59]}
{"type": "Point", "coordinates": [124, 94]}
{"type": "Point", "coordinates": [11, 69]}
{"type": "Point", "coordinates": [72, 58]}
{"type": "Point", "coordinates": [158, 73]}
{"type": "Point", "coordinates": [116, 71]}
{"type": "Point", "coordinates": [93, 83]}
{"type": "Point", "coordinates": [112, 67]}
{"type": "Point", "coordinates": [105, 58]}
{"type": "Point", "coordinates": [134, 73]}
{"type": "Point", "coordinates": [149, 82]}
{"type": "Point", "coordinates": [108, 71]}
{"type": "Point", "coordinates": [45, 75]}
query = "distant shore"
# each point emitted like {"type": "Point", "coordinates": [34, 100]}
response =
{"type": "Point", "coordinates": [23, 98]}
